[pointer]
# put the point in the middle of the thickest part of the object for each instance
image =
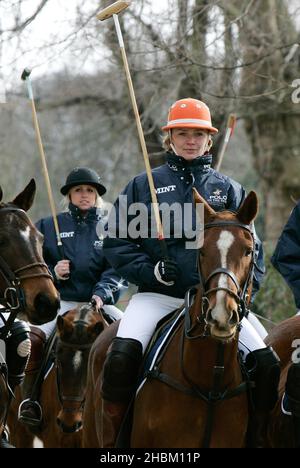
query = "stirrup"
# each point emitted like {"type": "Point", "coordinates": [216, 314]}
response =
{"type": "Point", "coordinates": [30, 420]}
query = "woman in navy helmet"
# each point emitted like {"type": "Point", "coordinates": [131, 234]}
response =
{"type": "Point", "coordinates": [80, 270]}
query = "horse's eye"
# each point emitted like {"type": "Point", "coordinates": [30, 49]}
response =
{"type": "Point", "coordinates": [248, 252]}
{"type": "Point", "coordinates": [201, 253]}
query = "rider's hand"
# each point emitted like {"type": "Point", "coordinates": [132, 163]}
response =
{"type": "Point", "coordinates": [166, 271]}
{"type": "Point", "coordinates": [98, 300]}
{"type": "Point", "coordinates": [62, 270]}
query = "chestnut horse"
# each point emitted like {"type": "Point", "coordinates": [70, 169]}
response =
{"type": "Point", "coordinates": [63, 390]}
{"type": "Point", "coordinates": [26, 285]}
{"type": "Point", "coordinates": [284, 339]}
{"type": "Point", "coordinates": [195, 396]}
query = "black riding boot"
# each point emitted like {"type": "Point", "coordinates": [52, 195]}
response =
{"type": "Point", "coordinates": [120, 375]}
{"type": "Point", "coordinates": [264, 369]}
{"type": "Point", "coordinates": [30, 411]}
{"type": "Point", "coordinates": [293, 397]}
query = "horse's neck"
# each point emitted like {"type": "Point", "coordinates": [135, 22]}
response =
{"type": "Point", "coordinates": [202, 354]}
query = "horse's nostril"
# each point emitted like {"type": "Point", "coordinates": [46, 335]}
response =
{"type": "Point", "coordinates": [234, 318]}
{"type": "Point", "coordinates": [46, 307]}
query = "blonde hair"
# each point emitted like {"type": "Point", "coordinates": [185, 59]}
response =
{"type": "Point", "coordinates": [167, 142]}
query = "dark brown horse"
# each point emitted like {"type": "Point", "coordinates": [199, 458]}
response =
{"type": "Point", "coordinates": [26, 286]}
{"type": "Point", "coordinates": [196, 396]}
{"type": "Point", "coordinates": [284, 338]}
{"type": "Point", "coordinates": [63, 391]}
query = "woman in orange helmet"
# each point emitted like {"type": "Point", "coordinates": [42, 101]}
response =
{"type": "Point", "coordinates": [163, 282]}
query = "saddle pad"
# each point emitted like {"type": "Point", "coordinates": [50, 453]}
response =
{"type": "Point", "coordinates": [158, 346]}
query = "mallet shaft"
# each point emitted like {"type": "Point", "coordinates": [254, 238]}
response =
{"type": "Point", "coordinates": [45, 171]}
{"type": "Point", "coordinates": [143, 145]}
{"type": "Point", "coordinates": [26, 77]}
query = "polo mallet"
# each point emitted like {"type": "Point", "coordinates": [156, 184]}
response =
{"type": "Point", "coordinates": [112, 11]}
{"type": "Point", "coordinates": [26, 77]}
{"type": "Point", "coordinates": [228, 134]}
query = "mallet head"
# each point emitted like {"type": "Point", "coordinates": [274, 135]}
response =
{"type": "Point", "coordinates": [113, 9]}
{"type": "Point", "coordinates": [25, 74]}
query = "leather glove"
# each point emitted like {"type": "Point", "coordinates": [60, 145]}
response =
{"type": "Point", "coordinates": [166, 271]}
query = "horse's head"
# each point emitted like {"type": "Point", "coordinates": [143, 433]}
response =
{"type": "Point", "coordinates": [226, 262]}
{"type": "Point", "coordinates": [77, 331]}
{"type": "Point", "coordinates": [24, 277]}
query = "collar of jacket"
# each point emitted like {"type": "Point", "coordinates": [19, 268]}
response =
{"type": "Point", "coordinates": [82, 216]}
{"type": "Point", "coordinates": [178, 163]}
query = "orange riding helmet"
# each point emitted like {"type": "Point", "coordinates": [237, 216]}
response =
{"type": "Point", "coordinates": [189, 113]}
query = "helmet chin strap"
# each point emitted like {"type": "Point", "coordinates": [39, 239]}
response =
{"type": "Point", "coordinates": [173, 149]}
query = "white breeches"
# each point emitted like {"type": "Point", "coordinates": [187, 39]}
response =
{"type": "Point", "coordinates": [146, 309]}
{"type": "Point", "coordinates": [65, 306]}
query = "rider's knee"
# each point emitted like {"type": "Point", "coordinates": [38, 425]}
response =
{"type": "Point", "coordinates": [263, 366]}
{"type": "Point", "coordinates": [18, 347]}
{"type": "Point", "coordinates": [121, 368]}
{"type": "Point", "coordinates": [38, 341]}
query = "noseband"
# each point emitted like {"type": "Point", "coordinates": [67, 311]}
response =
{"type": "Point", "coordinates": [241, 296]}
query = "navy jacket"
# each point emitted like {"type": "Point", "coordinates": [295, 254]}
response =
{"type": "Point", "coordinates": [286, 257]}
{"type": "Point", "coordinates": [90, 272]}
{"type": "Point", "coordinates": [135, 258]}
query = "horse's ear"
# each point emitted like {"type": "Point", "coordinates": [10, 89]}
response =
{"type": "Point", "coordinates": [96, 328]}
{"type": "Point", "coordinates": [25, 199]}
{"type": "Point", "coordinates": [1, 194]}
{"type": "Point", "coordinates": [249, 209]}
{"type": "Point", "coordinates": [60, 323]}
{"type": "Point", "coordinates": [64, 327]}
{"type": "Point", "coordinates": [209, 212]}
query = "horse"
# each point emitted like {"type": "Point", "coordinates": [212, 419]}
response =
{"type": "Point", "coordinates": [202, 393]}
{"type": "Point", "coordinates": [63, 390]}
{"type": "Point", "coordinates": [284, 339]}
{"type": "Point", "coordinates": [26, 285]}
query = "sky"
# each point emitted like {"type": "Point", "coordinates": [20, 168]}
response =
{"type": "Point", "coordinates": [49, 45]}
{"type": "Point", "coordinates": [53, 25]}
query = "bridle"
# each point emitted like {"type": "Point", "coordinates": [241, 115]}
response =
{"type": "Point", "coordinates": [217, 393]}
{"type": "Point", "coordinates": [70, 398]}
{"type": "Point", "coordinates": [13, 299]}
{"type": "Point", "coordinates": [241, 296]}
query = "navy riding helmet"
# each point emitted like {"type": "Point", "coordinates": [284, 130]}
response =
{"type": "Point", "coordinates": [83, 176]}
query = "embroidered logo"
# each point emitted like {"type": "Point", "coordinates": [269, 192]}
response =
{"type": "Point", "coordinates": [98, 244]}
{"type": "Point", "coordinates": [217, 197]}
{"type": "Point", "coordinates": [167, 189]}
{"type": "Point", "coordinates": [64, 235]}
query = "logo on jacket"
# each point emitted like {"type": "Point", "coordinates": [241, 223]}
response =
{"type": "Point", "coordinates": [168, 188]}
{"type": "Point", "coordinates": [217, 197]}
{"type": "Point", "coordinates": [98, 244]}
{"type": "Point", "coordinates": [64, 235]}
